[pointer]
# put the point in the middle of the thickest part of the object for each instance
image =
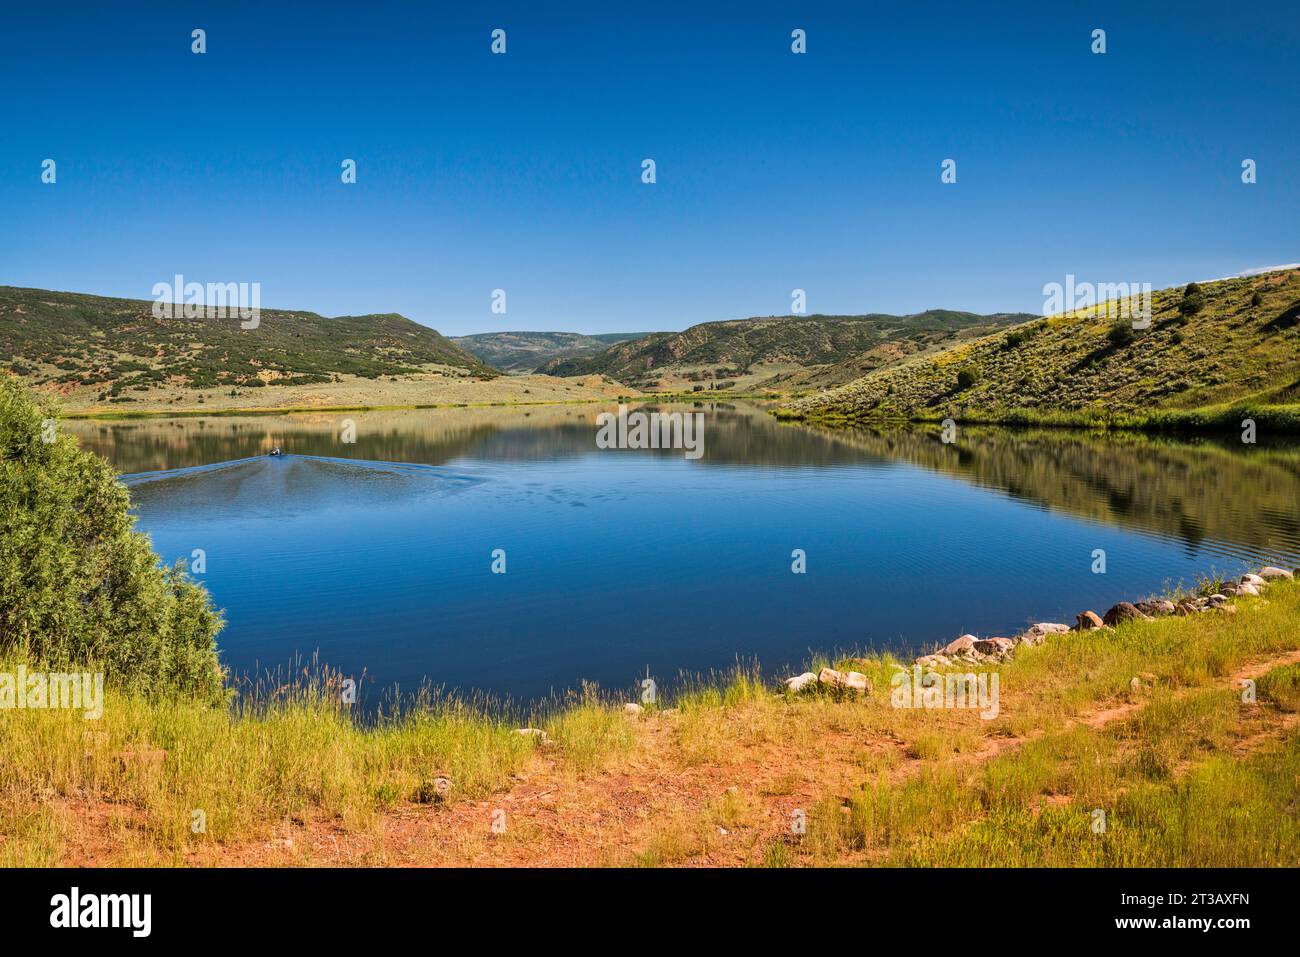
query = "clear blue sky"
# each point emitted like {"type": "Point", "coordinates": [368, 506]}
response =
{"type": "Point", "coordinates": [522, 171]}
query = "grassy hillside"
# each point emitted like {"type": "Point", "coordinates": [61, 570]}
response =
{"type": "Point", "coordinates": [734, 349]}
{"type": "Point", "coordinates": [1230, 343]}
{"type": "Point", "coordinates": [529, 351]}
{"type": "Point", "coordinates": [66, 341]}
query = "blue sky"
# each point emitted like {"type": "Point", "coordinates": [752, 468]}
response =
{"type": "Point", "coordinates": [775, 171]}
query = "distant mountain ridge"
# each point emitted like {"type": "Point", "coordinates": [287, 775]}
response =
{"type": "Point", "coordinates": [529, 351]}
{"type": "Point", "coordinates": [733, 348]}
{"type": "Point", "coordinates": [66, 339]}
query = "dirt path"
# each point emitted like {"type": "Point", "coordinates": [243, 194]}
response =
{"type": "Point", "coordinates": [649, 802]}
{"type": "Point", "coordinates": [649, 806]}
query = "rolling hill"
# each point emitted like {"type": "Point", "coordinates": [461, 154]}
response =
{"type": "Point", "coordinates": [1209, 346]}
{"type": "Point", "coordinates": [529, 351]}
{"type": "Point", "coordinates": [70, 341]}
{"type": "Point", "coordinates": [778, 351]}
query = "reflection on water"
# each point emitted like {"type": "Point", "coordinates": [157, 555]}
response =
{"type": "Point", "coordinates": [1244, 499]}
{"type": "Point", "coordinates": [619, 561]}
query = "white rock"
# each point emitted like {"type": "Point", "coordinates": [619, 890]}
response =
{"type": "Point", "coordinates": [1036, 634]}
{"type": "Point", "coordinates": [800, 682]}
{"type": "Point", "coordinates": [958, 645]}
{"type": "Point", "coordinates": [1156, 607]}
{"type": "Point", "coordinates": [932, 661]}
{"type": "Point", "coordinates": [852, 680]}
{"type": "Point", "coordinates": [632, 708]}
{"type": "Point", "coordinates": [857, 681]}
{"type": "Point", "coordinates": [1269, 571]}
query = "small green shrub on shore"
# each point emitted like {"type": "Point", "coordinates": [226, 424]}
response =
{"type": "Point", "coordinates": [78, 586]}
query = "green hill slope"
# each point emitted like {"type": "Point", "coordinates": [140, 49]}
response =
{"type": "Point", "coordinates": [66, 340]}
{"type": "Point", "coordinates": [1233, 342]}
{"type": "Point", "coordinates": [529, 351]}
{"type": "Point", "coordinates": [735, 348]}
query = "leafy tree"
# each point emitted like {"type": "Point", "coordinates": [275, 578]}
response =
{"type": "Point", "coordinates": [78, 585]}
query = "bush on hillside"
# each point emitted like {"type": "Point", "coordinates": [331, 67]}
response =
{"type": "Point", "coordinates": [1121, 333]}
{"type": "Point", "coordinates": [967, 377]}
{"type": "Point", "coordinates": [1018, 337]}
{"type": "Point", "coordinates": [80, 587]}
{"type": "Point", "coordinates": [1193, 300]}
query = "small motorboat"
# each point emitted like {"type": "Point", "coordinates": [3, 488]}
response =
{"type": "Point", "coordinates": [275, 451]}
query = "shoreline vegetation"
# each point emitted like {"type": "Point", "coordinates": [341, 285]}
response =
{"type": "Point", "coordinates": [114, 414]}
{"type": "Point", "coordinates": [1146, 720]}
{"type": "Point", "coordinates": [218, 411]}
{"type": "Point", "coordinates": [428, 390]}
{"type": "Point", "coordinates": [1283, 419]}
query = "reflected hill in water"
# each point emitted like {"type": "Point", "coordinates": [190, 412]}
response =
{"type": "Point", "coordinates": [735, 435]}
{"type": "Point", "coordinates": [1191, 490]}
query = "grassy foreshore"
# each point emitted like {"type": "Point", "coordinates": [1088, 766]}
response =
{"type": "Point", "coordinates": [344, 393]}
{"type": "Point", "coordinates": [1268, 419]}
{"type": "Point", "coordinates": [1180, 770]}
{"type": "Point", "coordinates": [118, 414]}
{"type": "Point", "coordinates": [304, 409]}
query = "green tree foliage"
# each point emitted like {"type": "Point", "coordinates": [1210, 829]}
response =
{"type": "Point", "coordinates": [78, 586]}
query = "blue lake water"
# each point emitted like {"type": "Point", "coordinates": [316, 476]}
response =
{"type": "Point", "coordinates": [378, 555]}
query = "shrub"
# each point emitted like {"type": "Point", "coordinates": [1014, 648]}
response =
{"type": "Point", "coordinates": [1121, 333]}
{"type": "Point", "coordinates": [78, 585]}
{"type": "Point", "coordinates": [1193, 300]}
{"type": "Point", "coordinates": [967, 376]}
{"type": "Point", "coordinates": [1018, 337]}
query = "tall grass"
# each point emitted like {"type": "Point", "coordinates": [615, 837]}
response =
{"type": "Point", "coordinates": [298, 754]}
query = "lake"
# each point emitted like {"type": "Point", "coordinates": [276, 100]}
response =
{"type": "Point", "coordinates": [378, 554]}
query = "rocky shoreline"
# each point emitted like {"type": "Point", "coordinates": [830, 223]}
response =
{"type": "Point", "coordinates": [969, 649]}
